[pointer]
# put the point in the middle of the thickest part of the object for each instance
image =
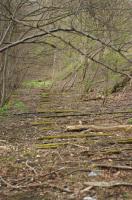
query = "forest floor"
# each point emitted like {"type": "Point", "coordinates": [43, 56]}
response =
{"type": "Point", "coordinates": [41, 160]}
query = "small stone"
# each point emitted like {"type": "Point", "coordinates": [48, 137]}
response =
{"type": "Point", "coordinates": [89, 198]}
{"type": "Point", "coordinates": [95, 173]}
{"type": "Point", "coordinates": [38, 156]}
{"type": "Point", "coordinates": [91, 174]}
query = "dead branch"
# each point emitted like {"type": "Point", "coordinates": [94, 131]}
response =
{"type": "Point", "coordinates": [103, 43]}
{"type": "Point", "coordinates": [86, 189]}
{"type": "Point", "coordinates": [31, 168]}
{"type": "Point", "coordinates": [8, 184]}
{"type": "Point", "coordinates": [113, 166]}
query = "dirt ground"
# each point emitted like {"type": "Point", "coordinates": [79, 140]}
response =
{"type": "Point", "coordinates": [40, 160]}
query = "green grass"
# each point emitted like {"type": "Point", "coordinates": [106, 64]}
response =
{"type": "Point", "coordinates": [19, 105]}
{"type": "Point", "coordinates": [37, 84]}
{"type": "Point", "coordinates": [16, 104]}
{"type": "Point", "coordinates": [46, 95]}
{"type": "Point", "coordinates": [4, 109]}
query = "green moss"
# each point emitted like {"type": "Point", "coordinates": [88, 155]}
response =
{"type": "Point", "coordinates": [50, 145]}
{"type": "Point", "coordinates": [82, 135]}
{"type": "Point", "coordinates": [45, 95]}
{"type": "Point", "coordinates": [125, 141]}
{"type": "Point", "coordinates": [113, 151]}
{"type": "Point", "coordinates": [41, 123]}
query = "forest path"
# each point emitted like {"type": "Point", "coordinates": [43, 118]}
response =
{"type": "Point", "coordinates": [41, 160]}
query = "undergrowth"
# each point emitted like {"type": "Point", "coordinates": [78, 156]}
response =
{"type": "Point", "coordinates": [37, 84]}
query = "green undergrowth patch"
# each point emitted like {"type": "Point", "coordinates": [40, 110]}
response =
{"type": "Point", "coordinates": [127, 196]}
{"type": "Point", "coordinates": [45, 95]}
{"type": "Point", "coordinates": [37, 84]}
{"type": "Point", "coordinates": [15, 104]}
{"type": "Point", "coordinates": [19, 105]}
{"type": "Point", "coordinates": [4, 109]}
{"type": "Point", "coordinates": [7, 159]}
{"type": "Point", "coordinates": [129, 121]}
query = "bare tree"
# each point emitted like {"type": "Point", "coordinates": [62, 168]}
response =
{"type": "Point", "coordinates": [93, 29]}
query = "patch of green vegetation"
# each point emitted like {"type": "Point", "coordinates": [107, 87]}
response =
{"type": "Point", "coordinates": [45, 95]}
{"type": "Point", "coordinates": [127, 196]}
{"type": "Point", "coordinates": [113, 59]}
{"type": "Point", "coordinates": [19, 105]}
{"type": "Point", "coordinates": [15, 104]}
{"type": "Point", "coordinates": [4, 109]}
{"type": "Point", "coordinates": [88, 85]}
{"type": "Point", "coordinates": [129, 121]}
{"type": "Point", "coordinates": [7, 159]}
{"type": "Point", "coordinates": [37, 84]}
{"type": "Point", "coordinates": [29, 154]}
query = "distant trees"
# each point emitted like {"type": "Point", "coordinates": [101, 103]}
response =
{"type": "Point", "coordinates": [96, 32]}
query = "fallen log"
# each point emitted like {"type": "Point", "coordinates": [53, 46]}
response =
{"type": "Point", "coordinates": [126, 128]}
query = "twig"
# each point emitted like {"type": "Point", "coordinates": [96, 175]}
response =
{"type": "Point", "coordinates": [8, 184]}
{"type": "Point", "coordinates": [54, 172]}
{"type": "Point", "coordinates": [79, 170]}
{"type": "Point", "coordinates": [77, 145]}
{"type": "Point", "coordinates": [31, 168]}
{"type": "Point", "coordinates": [35, 185]}
{"type": "Point", "coordinates": [86, 189]}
